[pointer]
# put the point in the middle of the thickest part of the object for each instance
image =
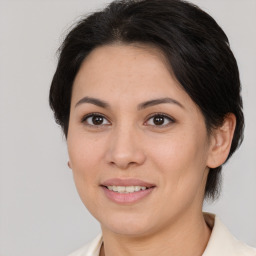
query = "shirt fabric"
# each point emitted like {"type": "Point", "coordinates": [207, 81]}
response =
{"type": "Point", "coordinates": [221, 242]}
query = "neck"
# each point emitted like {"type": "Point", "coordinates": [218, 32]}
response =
{"type": "Point", "coordinates": [185, 237]}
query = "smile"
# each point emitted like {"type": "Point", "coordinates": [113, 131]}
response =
{"type": "Point", "coordinates": [126, 189]}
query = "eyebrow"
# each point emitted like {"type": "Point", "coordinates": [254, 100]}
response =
{"type": "Point", "coordinates": [154, 102]}
{"type": "Point", "coordinates": [143, 105]}
{"type": "Point", "coordinates": [97, 102]}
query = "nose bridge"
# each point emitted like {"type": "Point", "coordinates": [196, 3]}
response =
{"type": "Point", "coordinates": [125, 147]}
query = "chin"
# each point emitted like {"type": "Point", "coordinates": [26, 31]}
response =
{"type": "Point", "coordinates": [131, 225]}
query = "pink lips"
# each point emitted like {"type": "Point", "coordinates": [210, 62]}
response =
{"type": "Point", "coordinates": [127, 182]}
{"type": "Point", "coordinates": [124, 198]}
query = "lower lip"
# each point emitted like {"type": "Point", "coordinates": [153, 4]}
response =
{"type": "Point", "coordinates": [124, 198]}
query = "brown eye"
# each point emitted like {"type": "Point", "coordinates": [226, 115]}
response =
{"type": "Point", "coordinates": [95, 120]}
{"type": "Point", "coordinates": [159, 120]}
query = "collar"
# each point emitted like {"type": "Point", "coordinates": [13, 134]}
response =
{"type": "Point", "coordinates": [222, 242]}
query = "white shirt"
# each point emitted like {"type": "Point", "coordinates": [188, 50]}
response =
{"type": "Point", "coordinates": [221, 242]}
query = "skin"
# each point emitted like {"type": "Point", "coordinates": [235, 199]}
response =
{"type": "Point", "coordinates": [175, 156]}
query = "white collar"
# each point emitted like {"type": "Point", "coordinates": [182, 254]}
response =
{"type": "Point", "coordinates": [222, 242]}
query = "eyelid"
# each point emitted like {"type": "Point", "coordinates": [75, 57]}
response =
{"type": "Point", "coordinates": [83, 119]}
{"type": "Point", "coordinates": [172, 120]}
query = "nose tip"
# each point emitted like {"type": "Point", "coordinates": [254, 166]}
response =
{"type": "Point", "coordinates": [124, 161]}
{"type": "Point", "coordinates": [125, 151]}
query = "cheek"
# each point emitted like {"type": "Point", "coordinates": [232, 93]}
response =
{"type": "Point", "coordinates": [177, 151]}
{"type": "Point", "coordinates": [84, 154]}
{"type": "Point", "coordinates": [181, 160]}
{"type": "Point", "coordinates": [84, 151]}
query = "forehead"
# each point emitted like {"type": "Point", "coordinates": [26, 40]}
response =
{"type": "Point", "coordinates": [127, 50]}
{"type": "Point", "coordinates": [119, 67]}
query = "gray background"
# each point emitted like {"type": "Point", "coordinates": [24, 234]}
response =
{"type": "Point", "coordinates": [40, 211]}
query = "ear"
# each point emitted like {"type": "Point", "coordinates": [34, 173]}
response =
{"type": "Point", "coordinates": [221, 140]}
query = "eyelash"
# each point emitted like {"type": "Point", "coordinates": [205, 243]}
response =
{"type": "Point", "coordinates": [169, 118]}
{"type": "Point", "coordinates": [86, 117]}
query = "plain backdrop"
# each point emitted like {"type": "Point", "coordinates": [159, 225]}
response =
{"type": "Point", "coordinates": [40, 210]}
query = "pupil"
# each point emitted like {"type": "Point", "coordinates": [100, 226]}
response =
{"type": "Point", "coordinates": [97, 120]}
{"type": "Point", "coordinates": [159, 120]}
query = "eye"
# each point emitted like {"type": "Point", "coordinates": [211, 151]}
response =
{"type": "Point", "coordinates": [160, 120]}
{"type": "Point", "coordinates": [95, 120]}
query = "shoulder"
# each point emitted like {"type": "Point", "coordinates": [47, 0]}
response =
{"type": "Point", "coordinates": [222, 242]}
{"type": "Point", "coordinates": [90, 249]}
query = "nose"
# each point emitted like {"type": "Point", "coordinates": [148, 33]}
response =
{"type": "Point", "coordinates": [125, 149]}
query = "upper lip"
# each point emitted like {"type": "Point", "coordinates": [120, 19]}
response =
{"type": "Point", "coordinates": [127, 182]}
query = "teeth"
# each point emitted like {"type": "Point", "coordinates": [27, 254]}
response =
{"type": "Point", "coordinates": [129, 189]}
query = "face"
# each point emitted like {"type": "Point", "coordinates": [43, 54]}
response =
{"type": "Point", "coordinates": [137, 143]}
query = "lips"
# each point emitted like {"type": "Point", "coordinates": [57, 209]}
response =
{"type": "Point", "coordinates": [127, 183]}
{"type": "Point", "coordinates": [126, 191]}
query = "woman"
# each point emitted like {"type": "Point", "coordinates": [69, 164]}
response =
{"type": "Point", "coordinates": [148, 96]}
